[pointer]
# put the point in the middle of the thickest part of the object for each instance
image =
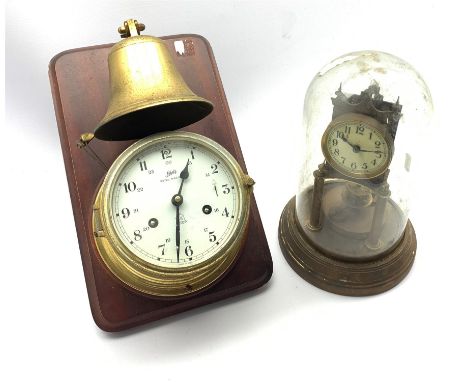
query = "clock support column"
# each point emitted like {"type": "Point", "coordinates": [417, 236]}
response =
{"type": "Point", "coordinates": [319, 181]}
{"type": "Point", "coordinates": [382, 195]}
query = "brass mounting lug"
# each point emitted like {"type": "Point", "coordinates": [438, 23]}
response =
{"type": "Point", "coordinates": [248, 181]}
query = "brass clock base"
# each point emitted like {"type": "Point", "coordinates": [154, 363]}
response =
{"type": "Point", "coordinates": [343, 277]}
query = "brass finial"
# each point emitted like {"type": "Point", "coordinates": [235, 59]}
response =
{"type": "Point", "coordinates": [130, 28]}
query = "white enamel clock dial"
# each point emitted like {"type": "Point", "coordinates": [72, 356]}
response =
{"type": "Point", "coordinates": [144, 212]}
{"type": "Point", "coordinates": [176, 203]}
{"type": "Point", "coordinates": [357, 146]}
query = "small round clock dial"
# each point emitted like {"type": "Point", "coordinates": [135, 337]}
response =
{"type": "Point", "coordinates": [174, 208]}
{"type": "Point", "coordinates": [357, 146]}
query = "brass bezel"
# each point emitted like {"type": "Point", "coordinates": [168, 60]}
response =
{"type": "Point", "coordinates": [152, 279]}
{"type": "Point", "coordinates": [356, 117]}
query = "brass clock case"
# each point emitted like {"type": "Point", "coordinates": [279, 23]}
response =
{"type": "Point", "coordinates": [344, 277]}
{"type": "Point", "coordinates": [371, 123]}
{"type": "Point", "coordinates": [155, 280]}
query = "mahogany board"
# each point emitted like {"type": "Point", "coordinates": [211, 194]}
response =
{"type": "Point", "coordinates": [80, 91]}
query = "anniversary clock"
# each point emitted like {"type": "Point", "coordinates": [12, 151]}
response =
{"type": "Point", "coordinates": [164, 209]}
{"type": "Point", "coordinates": [347, 230]}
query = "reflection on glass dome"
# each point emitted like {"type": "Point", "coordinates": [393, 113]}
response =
{"type": "Point", "coordinates": [349, 212]}
{"type": "Point", "coordinates": [363, 115]}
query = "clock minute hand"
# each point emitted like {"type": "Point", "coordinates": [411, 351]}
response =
{"type": "Point", "coordinates": [177, 232]}
{"type": "Point", "coordinates": [371, 151]}
{"type": "Point", "coordinates": [177, 200]}
{"type": "Point", "coordinates": [357, 148]}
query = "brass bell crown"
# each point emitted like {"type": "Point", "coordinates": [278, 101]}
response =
{"type": "Point", "coordinates": [148, 94]}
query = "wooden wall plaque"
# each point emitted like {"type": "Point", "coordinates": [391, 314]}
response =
{"type": "Point", "coordinates": [80, 90]}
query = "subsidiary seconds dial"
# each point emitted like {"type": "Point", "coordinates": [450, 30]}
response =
{"type": "Point", "coordinates": [175, 205]}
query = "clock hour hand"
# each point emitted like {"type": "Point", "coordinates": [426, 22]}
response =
{"type": "Point", "coordinates": [356, 148]}
{"type": "Point", "coordinates": [184, 174]}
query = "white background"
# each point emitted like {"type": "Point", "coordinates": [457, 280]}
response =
{"type": "Point", "coordinates": [267, 54]}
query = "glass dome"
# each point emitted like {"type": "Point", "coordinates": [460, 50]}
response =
{"type": "Point", "coordinates": [363, 115]}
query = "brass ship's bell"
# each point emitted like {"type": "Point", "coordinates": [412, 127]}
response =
{"type": "Point", "coordinates": [148, 94]}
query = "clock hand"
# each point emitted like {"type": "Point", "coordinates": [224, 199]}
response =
{"type": "Point", "coordinates": [370, 151]}
{"type": "Point", "coordinates": [356, 148]}
{"type": "Point", "coordinates": [184, 174]}
{"type": "Point", "coordinates": [177, 232]}
{"type": "Point", "coordinates": [177, 200]}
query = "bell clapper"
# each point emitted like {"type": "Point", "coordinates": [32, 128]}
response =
{"type": "Point", "coordinates": [83, 143]}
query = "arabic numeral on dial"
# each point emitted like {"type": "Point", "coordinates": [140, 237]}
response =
{"type": "Point", "coordinates": [125, 213]}
{"type": "Point", "coordinates": [225, 212]}
{"type": "Point", "coordinates": [137, 235]}
{"type": "Point", "coordinates": [214, 167]}
{"type": "Point", "coordinates": [130, 186]}
{"type": "Point", "coordinates": [334, 141]}
{"type": "Point", "coordinates": [360, 130]}
{"type": "Point", "coordinates": [336, 152]}
{"type": "Point", "coordinates": [211, 236]}
{"type": "Point", "coordinates": [191, 152]}
{"type": "Point", "coordinates": [188, 251]}
{"type": "Point", "coordinates": [162, 246]}
{"type": "Point", "coordinates": [353, 165]}
{"type": "Point", "coordinates": [347, 129]}
{"type": "Point", "coordinates": [378, 144]}
{"type": "Point", "coordinates": [226, 189]}
{"type": "Point", "coordinates": [143, 166]}
{"type": "Point", "coordinates": [364, 166]}
{"type": "Point", "coordinates": [374, 162]}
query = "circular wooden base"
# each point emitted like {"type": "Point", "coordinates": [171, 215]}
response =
{"type": "Point", "coordinates": [343, 277]}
